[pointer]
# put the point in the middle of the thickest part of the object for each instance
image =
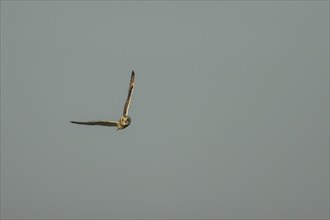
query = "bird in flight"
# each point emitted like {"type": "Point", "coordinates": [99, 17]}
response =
{"type": "Point", "coordinates": [124, 120]}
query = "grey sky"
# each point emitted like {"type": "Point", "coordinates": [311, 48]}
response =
{"type": "Point", "coordinates": [230, 113]}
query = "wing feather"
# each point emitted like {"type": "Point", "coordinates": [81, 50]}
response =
{"type": "Point", "coordinates": [102, 123]}
{"type": "Point", "coordinates": [130, 92]}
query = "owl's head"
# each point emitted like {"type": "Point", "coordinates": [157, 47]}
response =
{"type": "Point", "coordinates": [124, 121]}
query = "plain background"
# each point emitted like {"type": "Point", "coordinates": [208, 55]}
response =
{"type": "Point", "coordinates": [230, 114]}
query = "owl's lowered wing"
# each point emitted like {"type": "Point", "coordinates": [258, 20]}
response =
{"type": "Point", "coordinates": [102, 123]}
{"type": "Point", "coordinates": [130, 92]}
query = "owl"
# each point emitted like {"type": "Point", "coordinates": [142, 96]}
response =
{"type": "Point", "coordinates": [125, 120]}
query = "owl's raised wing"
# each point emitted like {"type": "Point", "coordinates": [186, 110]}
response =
{"type": "Point", "coordinates": [130, 92]}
